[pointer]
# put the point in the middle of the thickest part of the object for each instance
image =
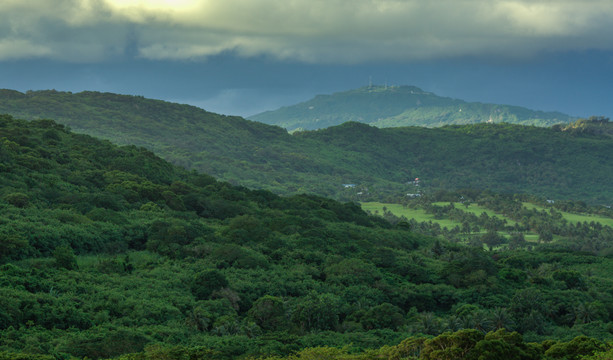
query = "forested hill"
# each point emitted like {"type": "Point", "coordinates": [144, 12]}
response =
{"type": "Point", "coordinates": [571, 162]}
{"type": "Point", "coordinates": [395, 106]}
{"type": "Point", "coordinates": [111, 252]}
{"type": "Point", "coordinates": [559, 163]}
{"type": "Point", "coordinates": [174, 131]}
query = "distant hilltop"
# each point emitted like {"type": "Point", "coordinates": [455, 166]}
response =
{"type": "Point", "coordinates": [397, 106]}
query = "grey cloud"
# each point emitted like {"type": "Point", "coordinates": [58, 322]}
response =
{"type": "Point", "coordinates": [69, 30]}
{"type": "Point", "coordinates": [332, 31]}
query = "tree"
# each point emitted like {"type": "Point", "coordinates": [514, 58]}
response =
{"type": "Point", "coordinates": [65, 258]}
{"type": "Point", "coordinates": [427, 323]}
{"type": "Point", "coordinates": [492, 239]}
{"type": "Point", "coordinates": [528, 308]}
{"type": "Point", "coordinates": [317, 312]}
{"type": "Point", "coordinates": [500, 319]}
{"type": "Point", "coordinates": [18, 199]}
{"type": "Point", "coordinates": [268, 312]}
{"type": "Point", "coordinates": [517, 241]}
{"type": "Point", "coordinates": [451, 346]}
{"type": "Point", "coordinates": [382, 316]}
{"type": "Point", "coordinates": [588, 312]}
{"type": "Point", "coordinates": [572, 279]}
{"type": "Point", "coordinates": [206, 282]}
{"type": "Point", "coordinates": [352, 272]}
{"type": "Point", "coordinates": [11, 245]}
{"type": "Point", "coordinates": [600, 355]}
{"type": "Point", "coordinates": [545, 235]}
{"type": "Point", "coordinates": [503, 345]}
{"type": "Point", "coordinates": [470, 267]}
{"type": "Point", "coordinates": [575, 349]}
{"type": "Point", "coordinates": [246, 228]}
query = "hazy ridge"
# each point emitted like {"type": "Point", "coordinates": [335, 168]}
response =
{"type": "Point", "coordinates": [398, 106]}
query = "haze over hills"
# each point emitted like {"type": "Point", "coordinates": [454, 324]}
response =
{"type": "Point", "coordinates": [548, 162]}
{"type": "Point", "coordinates": [394, 106]}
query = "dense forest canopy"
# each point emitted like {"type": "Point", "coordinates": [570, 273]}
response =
{"type": "Point", "coordinates": [562, 162]}
{"type": "Point", "coordinates": [112, 252]}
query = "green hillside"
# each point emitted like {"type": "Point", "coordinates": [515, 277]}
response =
{"type": "Point", "coordinates": [573, 162]}
{"type": "Point", "coordinates": [400, 106]}
{"type": "Point", "coordinates": [500, 157]}
{"type": "Point", "coordinates": [111, 252]}
{"type": "Point", "coordinates": [230, 148]}
{"type": "Point", "coordinates": [178, 132]}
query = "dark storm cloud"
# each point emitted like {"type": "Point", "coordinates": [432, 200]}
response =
{"type": "Point", "coordinates": [315, 31]}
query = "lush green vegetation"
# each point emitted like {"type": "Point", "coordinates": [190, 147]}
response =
{"type": "Point", "coordinates": [503, 221]}
{"type": "Point", "coordinates": [418, 214]}
{"type": "Point", "coordinates": [500, 157]}
{"type": "Point", "coordinates": [460, 345]}
{"type": "Point", "coordinates": [107, 251]}
{"type": "Point", "coordinates": [595, 125]}
{"type": "Point", "coordinates": [573, 162]}
{"type": "Point", "coordinates": [183, 134]}
{"type": "Point", "coordinates": [230, 148]}
{"type": "Point", "coordinates": [398, 107]}
{"type": "Point", "coordinates": [581, 217]}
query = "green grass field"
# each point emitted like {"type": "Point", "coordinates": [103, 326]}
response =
{"type": "Point", "coordinates": [477, 210]}
{"type": "Point", "coordinates": [421, 216]}
{"type": "Point", "coordinates": [575, 218]}
{"type": "Point", "coordinates": [418, 214]}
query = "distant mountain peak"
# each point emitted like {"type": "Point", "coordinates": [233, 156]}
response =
{"type": "Point", "coordinates": [398, 106]}
{"type": "Point", "coordinates": [394, 88]}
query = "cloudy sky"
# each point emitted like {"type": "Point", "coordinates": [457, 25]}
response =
{"type": "Point", "coordinates": [245, 56]}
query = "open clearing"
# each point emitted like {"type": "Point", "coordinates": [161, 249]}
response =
{"type": "Point", "coordinates": [418, 214]}
{"type": "Point", "coordinates": [421, 216]}
{"type": "Point", "coordinates": [575, 218]}
{"type": "Point", "coordinates": [477, 210]}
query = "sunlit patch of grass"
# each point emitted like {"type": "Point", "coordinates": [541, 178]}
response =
{"type": "Point", "coordinates": [418, 214]}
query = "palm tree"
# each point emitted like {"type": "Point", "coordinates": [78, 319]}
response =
{"type": "Point", "coordinates": [501, 319]}
{"type": "Point", "coordinates": [479, 320]}
{"type": "Point", "coordinates": [588, 312]}
{"type": "Point", "coordinates": [455, 323]}
{"type": "Point", "coordinates": [427, 323]}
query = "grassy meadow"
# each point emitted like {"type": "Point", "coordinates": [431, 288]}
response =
{"type": "Point", "coordinates": [420, 215]}
{"type": "Point", "coordinates": [399, 210]}
{"type": "Point", "coordinates": [575, 218]}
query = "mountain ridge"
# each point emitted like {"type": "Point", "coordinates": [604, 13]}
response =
{"type": "Point", "coordinates": [548, 162]}
{"type": "Point", "coordinates": [398, 106]}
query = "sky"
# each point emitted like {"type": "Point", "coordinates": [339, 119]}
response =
{"type": "Point", "coordinates": [241, 57]}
